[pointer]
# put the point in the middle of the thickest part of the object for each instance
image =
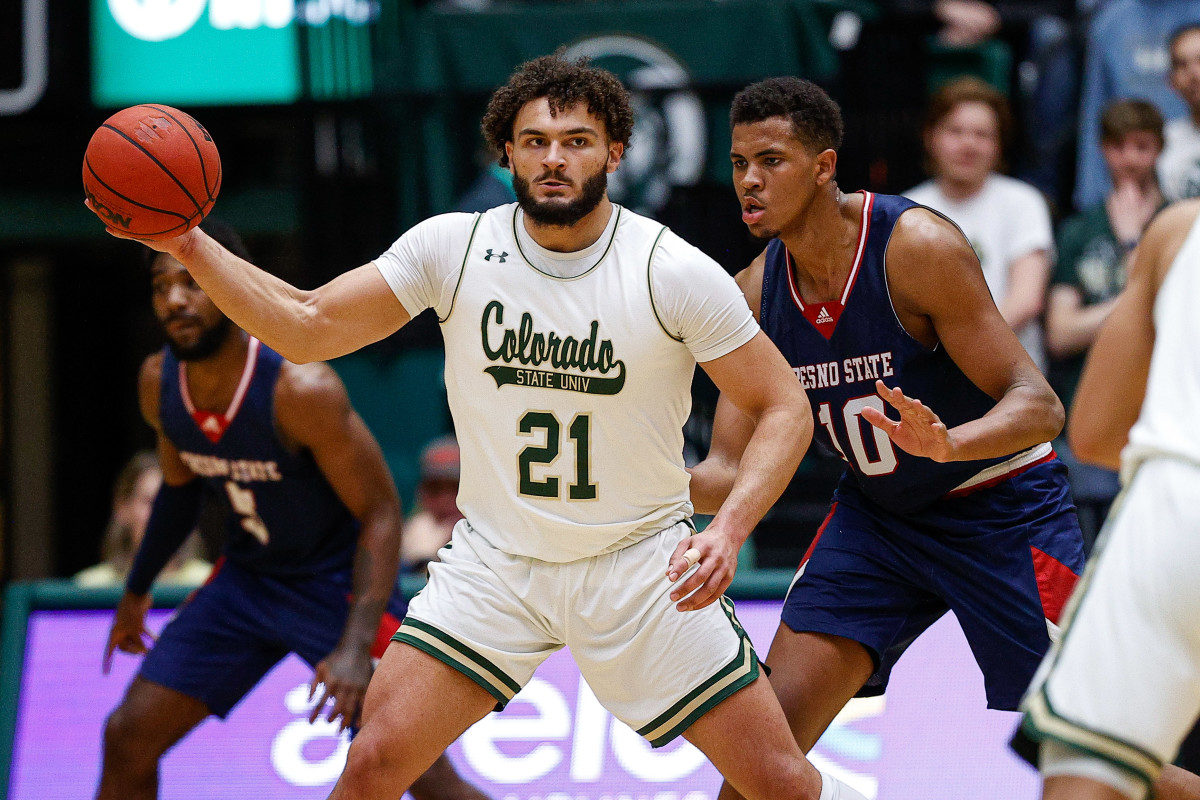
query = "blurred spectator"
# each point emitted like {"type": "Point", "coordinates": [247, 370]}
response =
{"type": "Point", "coordinates": [428, 530]}
{"type": "Point", "coordinates": [133, 497]}
{"type": "Point", "coordinates": [493, 186]}
{"type": "Point", "coordinates": [1179, 165]}
{"type": "Point", "coordinates": [966, 132]}
{"type": "Point", "coordinates": [1094, 248]}
{"type": "Point", "coordinates": [1126, 58]}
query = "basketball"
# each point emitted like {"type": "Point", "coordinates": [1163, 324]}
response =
{"type": "Point", "coordinates": [152, 172]}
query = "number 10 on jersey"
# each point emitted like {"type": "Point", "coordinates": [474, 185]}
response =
{"type": "Point", "coordinates": [545, 425]}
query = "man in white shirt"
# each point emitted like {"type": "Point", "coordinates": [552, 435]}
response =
{"type": "Point", "coordinates": [1179, 164]}
{"type": "Point", "coordinates": [1006, 220]}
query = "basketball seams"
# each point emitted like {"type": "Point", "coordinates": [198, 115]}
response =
{"type": "Point", "coordinates": [154, 158]}
{"type": "Point", "coordinates": [185, 219]}
{"type": "Point", "coordinates": [195, 146]}
{"type": "Point", "coordinates": [129, 199]}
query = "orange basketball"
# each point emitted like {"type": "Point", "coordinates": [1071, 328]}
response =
{"type": "Point", "coordinates": [152, 172]}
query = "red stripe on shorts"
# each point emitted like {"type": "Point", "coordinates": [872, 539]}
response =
{"type": "Point", "coordinates": [388, 625]}
{"type": "Point", "coordinates": [1055, 582]}
{"type": "Point", "coordinates": [813, 545]}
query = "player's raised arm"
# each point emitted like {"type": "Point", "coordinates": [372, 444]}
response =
{"type": "Point", "coordinates": [351, 311]}
{"type": "Point", "coordinates": [314, 413]}
{"type": "Point", "coordinates": [941, 297]}
{"type": "Point", "coordinates": [1113, 384]}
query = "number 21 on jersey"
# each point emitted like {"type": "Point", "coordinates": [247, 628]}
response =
{"type": "Point", "coordinates": [546, 427]}
{"type": "Point", "coordinates": [885, 463]}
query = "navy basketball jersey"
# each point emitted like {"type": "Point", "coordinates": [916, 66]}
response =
{"type": "Point", "coordinates": [839, 348]}
{"type": "Point", "coordinates": [283, 516]}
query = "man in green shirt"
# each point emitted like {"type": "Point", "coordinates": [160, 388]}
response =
{"type": "Point", "coordinates": [1094, 249]}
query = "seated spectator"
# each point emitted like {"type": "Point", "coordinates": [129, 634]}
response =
{"type": "Point", "coordinates": [428, 530]}
{"type": "Point", "coordinates": [1094, 250]}
{"type": "Point", "coordinates": [133, 497]}
{"type": "Point", "coordinates": [1179, 164]}
{"type": "Point", "coordinates": [1007, 221]}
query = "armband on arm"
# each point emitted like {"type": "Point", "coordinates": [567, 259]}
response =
{"type": "Point", "coordinates": [173, 517]}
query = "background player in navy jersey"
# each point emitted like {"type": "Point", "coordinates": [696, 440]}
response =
{"type": "Point", "coordinates": [880, 306]}
{"type": "Point", "coordinates": [313, 537]}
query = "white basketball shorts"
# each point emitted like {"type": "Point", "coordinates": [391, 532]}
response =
{"type": "Point", "coordinates": [1123, 682]}
{"type": "Point", "coordinates": [495, 617]}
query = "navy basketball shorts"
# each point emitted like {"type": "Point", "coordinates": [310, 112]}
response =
{"type": "Point", "coordinates": [237, 626]}
{"type": "Point", "coordinates": [1003, 558]}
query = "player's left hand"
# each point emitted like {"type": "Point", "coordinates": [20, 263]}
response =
{"type": "Point", "coordinates": [342, 677]}
{"type": "Point", "coordinates": [716, 560]}
{"type": "Point", "coordinates": [919, 431]}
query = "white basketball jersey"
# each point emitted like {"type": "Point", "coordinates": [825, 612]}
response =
{"type": "Point", "coordinates": [569, 394]}
{"type": "Point", "coordinates": [1167, 423]}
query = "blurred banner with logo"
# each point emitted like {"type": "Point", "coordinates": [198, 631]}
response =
{"type": "Point", "coordinates": [931, 737]}
{"type": "Point", "coordinates": [230, 52]}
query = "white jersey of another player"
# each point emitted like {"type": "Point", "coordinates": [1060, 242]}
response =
{"type": "Point", "coordinates": [1166, 425]}
{"type": "Point", "coordinates": [568, 374]}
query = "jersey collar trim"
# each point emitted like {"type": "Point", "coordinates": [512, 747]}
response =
{"type": "Point", "coordinates": [517, 214]}
{"type": "Point", "coordinates": [824, 316]}
{"type": "Point", "coordinates": [212, 424]}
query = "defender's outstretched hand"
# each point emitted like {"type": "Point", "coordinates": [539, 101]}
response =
{"type": "Point", "coordinates": [342, 679]}
{"type": "Point", "coordinates": [919, 431]}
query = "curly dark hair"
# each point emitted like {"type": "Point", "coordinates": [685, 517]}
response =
{"type": "Point", "coordinates": [816, 118]}
{"type": "Point", "coordinates": [563, 83]}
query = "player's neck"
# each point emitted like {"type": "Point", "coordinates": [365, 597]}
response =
{"type": "Point", "coordinates": [213, 380]}
{"type": "Point", "coordinates": [570, 238]}
{"type": "Point", "coordinates": [822, 244]}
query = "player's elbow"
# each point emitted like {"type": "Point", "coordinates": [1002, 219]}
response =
{"type": "Point", "coordinates": [1054, 414]}
{"type": "Point", "coordinates": [1091, 444]}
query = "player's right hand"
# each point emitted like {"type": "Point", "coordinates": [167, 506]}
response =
{"type": "Point", "coordinates": [170, 246]}
{"type": "Point", "coordinates": [129, 632]}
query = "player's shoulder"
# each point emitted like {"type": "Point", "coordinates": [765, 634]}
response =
{"type": "Point", "coordinates": [315, 377]}
{"type": "Point", "coordinates": [633, 226]}
{"type": "Point", "coordinates": [149, 385]}
{"type": "Point", "coordinates": [451, 226]}
{"type": "Point", "coordinates": [921, 232]}
{"type": "Point", "coordinates": [672, 255]}
{"type": "Point", "coordinates": [1166, 233]}
{"type": "Point", "coordinates": [750, 281]}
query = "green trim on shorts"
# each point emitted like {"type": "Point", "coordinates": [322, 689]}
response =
{"type": "Point", "coordinates": [737, 674]}
{"type": "Point", "coordinates": [454, 653]}
{"type": "Point", "coordinates": [1041, 722]}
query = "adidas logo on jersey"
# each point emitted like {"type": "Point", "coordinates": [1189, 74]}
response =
{"type": "Point", "coordinates": [211, 424]}
{"type": "Point", "coordinates": [824, 317]}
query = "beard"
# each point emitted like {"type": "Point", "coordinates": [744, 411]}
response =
{"type": "Point", "coordinates": [557, 213]}
{"type": "Point", "coordinates": [207, 343]}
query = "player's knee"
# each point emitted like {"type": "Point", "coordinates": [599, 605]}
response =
{"type": "Point", "coordinates": [123, 740]}
{"type": "Point", "coordinates": [370, 759]}
{"type": "Point", "coordinates": [786, 779]}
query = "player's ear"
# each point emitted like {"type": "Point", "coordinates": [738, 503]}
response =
{"type": "Point", "coordinates": [508, 150]}
{"type": "Point", "coordinates": [825, 166]}
{"type": "Point", "coordinates": [615, 151]}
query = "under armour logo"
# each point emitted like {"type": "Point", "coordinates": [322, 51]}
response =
{"type": "Point", "coordinates": [500, 256]}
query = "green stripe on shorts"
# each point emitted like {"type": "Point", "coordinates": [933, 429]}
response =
{"type": "Point", "coordinates": [1041, 722]}
{"type": "Point", "coordinates": [737, 674]}
{"type": "Point", "coordinates": [450, 651]}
